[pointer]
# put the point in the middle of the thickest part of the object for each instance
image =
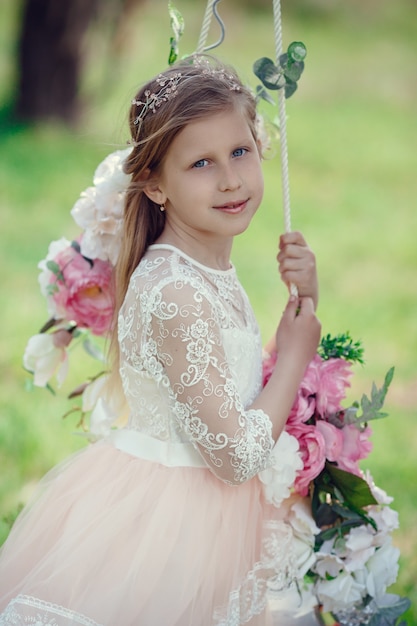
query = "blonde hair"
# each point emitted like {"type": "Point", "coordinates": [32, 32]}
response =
{"type": "Point", "coordinates": [205, 87]}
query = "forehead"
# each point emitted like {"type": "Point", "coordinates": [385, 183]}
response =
{"type": "Point", "coordinates": [223, 128]}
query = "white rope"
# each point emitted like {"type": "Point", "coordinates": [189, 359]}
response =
{"type": "Point", "coordinates": [285, 177]}
{"type": "Point", "coordinates": [205, 27]}
{"type": "Point", "coordinates": [282, 122]}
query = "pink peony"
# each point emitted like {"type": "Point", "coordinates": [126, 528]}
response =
{"type": "Point", "coordinates": [83, 293]}
{"type": "Point", "coordinates": [313, 454]}
{"type": "Point", "coordinates": [327, 380]}
{"type": "Point", "coordinates": [356, 446]}
{"type": "Point", "coordinates": [333, 381]}
{"type": "Point", "coordinates": [302, 409]}
{"type": "Point", "coordinates": [333, 438]}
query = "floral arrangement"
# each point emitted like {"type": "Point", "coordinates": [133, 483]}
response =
{"type": "Point", "coordinates": [341, 521]}
{"type": "Point", "coordinates": [76, 280]}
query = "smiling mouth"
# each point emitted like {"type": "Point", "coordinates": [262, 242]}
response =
{"type": "Point", "coordinates": [232, 207]}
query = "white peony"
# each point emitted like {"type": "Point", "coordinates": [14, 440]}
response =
{"type": "Point", "coordinates": [45, 359]}
{"type": "Point", "coordinates": [285, 462]}
{"type": "Point", "coordinates": [339, 593]}
{"type": "Point", "coordinates": [99, 210]}
{"type": "Point", "coordinates": [382, 569]}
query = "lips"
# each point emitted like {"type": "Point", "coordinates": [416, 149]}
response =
{"type": "Point", "coordinates": [232, 207]}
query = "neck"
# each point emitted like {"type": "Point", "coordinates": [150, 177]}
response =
{"type": "Point", "coordinates": [213, 252]}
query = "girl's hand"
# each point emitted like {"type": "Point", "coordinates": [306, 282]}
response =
{"type": "Point", "coordinates": [298, 333]}
{"type": "Point", "coordinates": [297, 265]}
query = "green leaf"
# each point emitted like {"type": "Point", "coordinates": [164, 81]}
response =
{"type": "Point", "coordinates": [177, 25]}
{"type": "Point", "coordinates": [297, 51]}
{"type": "Point", "coordinates": [371, 408]}
{"type": "Point", "coordinates": [55, 269]}
{"type": "Point", "coordinates": [290, 88]}
{"type": "Point", "coordinates": [269, 74]}
{"type": "Point", "coordinates": [292, 70]}
{"type": "Point", "coordinates": [341, 347]}
{"type": "Point", "coordinates": [51, 289]}
{"type": "Point", "coordinates": [355, 490]}
{"type": "Point", "coordinates": [93, 350]}
{"type": "Point", "coordinates": [261, 93]}
{"type": "Point", "coordinates": [389, 610]}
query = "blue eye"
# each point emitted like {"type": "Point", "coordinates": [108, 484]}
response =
{"type": "Point", "coordinates": [200, 163]}
{"type": "Point", "coordinates": [239, 152]}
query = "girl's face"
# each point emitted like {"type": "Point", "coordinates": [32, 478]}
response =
{"type": "Point", "coordinates": [211, 181]}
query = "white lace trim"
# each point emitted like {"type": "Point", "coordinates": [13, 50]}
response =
{"type": "Point", "coordinates": [276, 570]}
{"type": "Point", "coordinates": [29, 610]}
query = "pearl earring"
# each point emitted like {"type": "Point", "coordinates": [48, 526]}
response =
{"type": "Point", "coordinates": [162, 208]}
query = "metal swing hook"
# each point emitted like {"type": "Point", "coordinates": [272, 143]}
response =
{"type": "Point", "coordinates": [210, 11]}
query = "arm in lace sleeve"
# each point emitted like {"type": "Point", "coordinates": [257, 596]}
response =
{"type": "Point", "coordinates": [236, 443]}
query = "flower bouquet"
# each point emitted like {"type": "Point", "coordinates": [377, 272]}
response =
{"type": "Point", "coordinates": [341, 521]}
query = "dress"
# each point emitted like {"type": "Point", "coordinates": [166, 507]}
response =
{"type": "Point", "coordinates": [163, 522]}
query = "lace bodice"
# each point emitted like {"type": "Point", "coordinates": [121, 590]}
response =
{"type": "Point", "coordinates": [191, 362]}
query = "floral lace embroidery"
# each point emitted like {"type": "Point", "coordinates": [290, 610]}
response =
{"type": "Point", "coordinates": [191, 362]}
{"type": "Point", "coordinates": [276, 570]}
{"type": "Point", "coordinates": [28, 610]}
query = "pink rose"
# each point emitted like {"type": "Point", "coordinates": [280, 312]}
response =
{"type": "Point", "coordinates": [356, 446]}
{"type": "Point", "coordinates": [312, 449]}
{"type": "Point", "coordinates": [83, 290]}
{"type": "Point", "coordinates": [333, 439]}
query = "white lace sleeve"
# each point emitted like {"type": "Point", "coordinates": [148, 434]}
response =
{"type": "Point", "coordinates": [185, 334]}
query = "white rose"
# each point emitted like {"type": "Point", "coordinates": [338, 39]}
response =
{"type": "Point", "coordinates": [44, 359]}
{"type": "Point", "coordinates": [359, 546]}
{"type": "Point", "coordinates": [339, 593]}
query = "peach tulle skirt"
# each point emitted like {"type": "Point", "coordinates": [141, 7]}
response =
{"type": "Point", "coordinates": [111, 539]}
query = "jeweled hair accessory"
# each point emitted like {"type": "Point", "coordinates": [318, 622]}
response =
{"type": "Point", "coordinates": [153, 100]}
{"type": "Point", "coordinates": [169, 87]}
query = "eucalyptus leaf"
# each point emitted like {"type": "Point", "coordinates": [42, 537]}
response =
{"type": "Point", "coordinates": [269, 74]}
{"type": "Point", "coordinates": [290, 88]}
{"type": "Point", "coordinates": [261, 93]}
{"type": "Point", "coordinates": [390, 608]}
{"type": "Point", "coordinates": [293, 71]}
{"type": "Point", "coordinates": [76, 246]}
{"type": "Point", "coordinates": [297, 51]}
{"type": "Point", "coordinates": [55, 269]}
{"type": "Point", "coordinates": [52, 289]}
{"type": "Point", "coordinates": [93, 350]}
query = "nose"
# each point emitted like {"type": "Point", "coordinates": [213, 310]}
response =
{"type": "Point", "coordinates": [229, 178]}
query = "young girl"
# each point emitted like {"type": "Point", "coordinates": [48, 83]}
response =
{"type": "Point", "coordinates": [165, 523]}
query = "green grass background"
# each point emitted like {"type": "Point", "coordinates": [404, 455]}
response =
{"type": "Point", "coordinates": [352, 136]}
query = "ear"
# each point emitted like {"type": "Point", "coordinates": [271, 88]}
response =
{"type": "Point", "coordinates": [152, 188]}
